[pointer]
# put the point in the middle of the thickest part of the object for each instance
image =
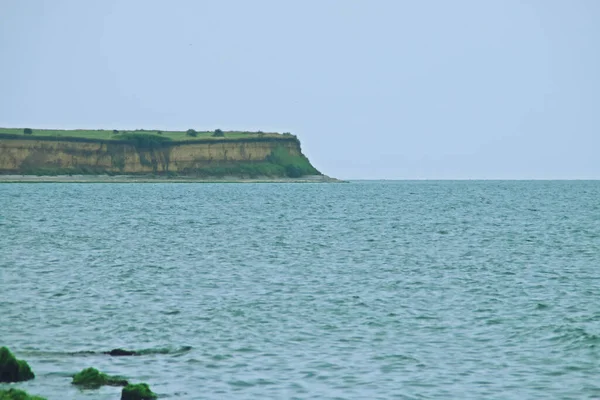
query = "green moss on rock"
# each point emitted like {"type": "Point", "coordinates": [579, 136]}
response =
{"type": "Point", "coordinates": [13, 370]}
{"type": "Point", "coordinates": [91, 378]}
{"type": "Point", "coordinates": [16, 394]}
{"type": "Point", "coordinates": [140, 391]}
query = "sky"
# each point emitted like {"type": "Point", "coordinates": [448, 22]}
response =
{"type": "Point", "coordinates": [398, 89]}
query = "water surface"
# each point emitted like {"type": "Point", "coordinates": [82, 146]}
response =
{"type": "Point", "coordinates": [378, 290]}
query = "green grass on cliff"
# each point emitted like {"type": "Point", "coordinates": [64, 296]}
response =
{"type": "Point", "coordinates": [244, 170]}
{"type": "Point", "coordinates": [294, 166]}
{"type": "Point", "coordinates": [109, 134]}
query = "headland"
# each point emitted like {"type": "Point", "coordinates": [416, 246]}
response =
{"type": "Point", "coordinates": [43, 155]}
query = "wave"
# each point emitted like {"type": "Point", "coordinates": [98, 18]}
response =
{"type": "Point", "coordinates": [117, 352]}
{"type": "Point", "coordinates": [576, 337]}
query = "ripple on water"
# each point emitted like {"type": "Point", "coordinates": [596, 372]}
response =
{"type": "Point", "coordinates": [442, 290]}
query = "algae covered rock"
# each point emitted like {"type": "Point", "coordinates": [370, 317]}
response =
{"type": "Point", "coordinates": [91, 378]}
{"type": "Point", "coordinates": [16, 394]}
{"type": "Point", "coordinates": [13, 370]}
{"type": "Point", "coordinates": [140, 391]}
{"type": "Point", "coordinates": [121, 352]}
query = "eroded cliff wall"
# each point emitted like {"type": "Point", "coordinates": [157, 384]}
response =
{"type": "Point", "coordinates": [19, 155]}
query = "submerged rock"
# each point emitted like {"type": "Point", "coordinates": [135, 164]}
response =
{"type": "Point", "coordinates": [91, 378]}
{"type": "Point", "coordinates": [121, 352]}
{"type": "Point", "coordinates": [16, 394]}
{"type": "Point", "coordinates": [13, 370]}
{"type": "Point", "coordinates": [140, 391]}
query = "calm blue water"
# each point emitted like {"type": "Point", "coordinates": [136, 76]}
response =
{"type": "Point", "coordinates": [367, 290]}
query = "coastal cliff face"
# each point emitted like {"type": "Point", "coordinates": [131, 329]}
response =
{"type": "Point", "coordinates": [20, 155]}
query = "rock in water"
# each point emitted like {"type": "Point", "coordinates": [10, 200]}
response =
{"type": "Point", "coordinates": [16, 394]}
{"type": "Point", "coordinates": [121, 352]}
{"type": "Point", "coordinates": [13, 370]}
{"type": "Point", "coordinates": [91, 378]}
{"type": "Point", "coordinates": [140, 391]}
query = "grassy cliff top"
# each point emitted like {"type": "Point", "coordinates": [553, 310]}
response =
{"type": "Point", "coordinates": [106, 134]}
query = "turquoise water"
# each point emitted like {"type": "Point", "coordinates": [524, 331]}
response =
{"type": "Point", "coordinates": [367, 290]}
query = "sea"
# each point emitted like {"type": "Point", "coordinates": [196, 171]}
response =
{"type": "Point", "coordinates": [361, 290]}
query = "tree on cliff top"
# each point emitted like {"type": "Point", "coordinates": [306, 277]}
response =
{"type": "Point", "coordinates": [218, 133]}
{"type": "Point", "coordinates": [27, 131]}
{"type": "Point", "coordinates": [191, 132]}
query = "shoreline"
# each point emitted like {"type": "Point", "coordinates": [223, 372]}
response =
{"type": "Point", "coordinates": [158, 179]}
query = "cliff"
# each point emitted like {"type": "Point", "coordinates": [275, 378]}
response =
{"type": "Point", "coordinates": [255, 155]}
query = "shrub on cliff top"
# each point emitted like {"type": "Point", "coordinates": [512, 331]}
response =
{"type": "Point", "coordinates": [141, 391]}
{"type": "Point", "coordinates": [218, 133]}
{"type": "Point", "coordinates": [13, 370]}
{"type": "Point", "coordinates": [191, 132]}
{"type": "Point", "coordinates": [144, 140]}
{"type": "Point", "coordinates": [27, 131]}
{"type": "Point", "coordinates": [91, 378]}
{"type": "Point", "coordinates": [16, 394]}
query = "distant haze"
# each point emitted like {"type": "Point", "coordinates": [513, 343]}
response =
{"type": "Point", "coordinates": [498, 89]}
